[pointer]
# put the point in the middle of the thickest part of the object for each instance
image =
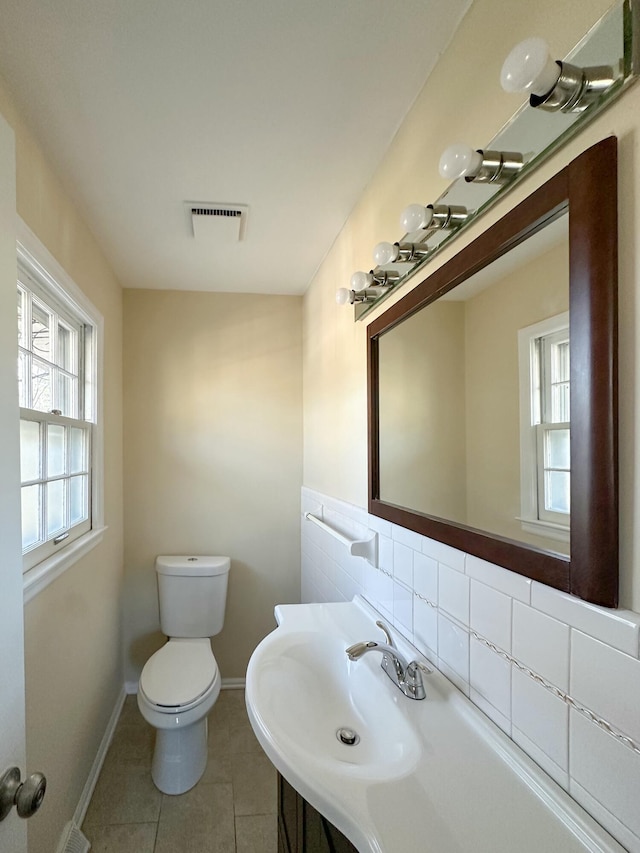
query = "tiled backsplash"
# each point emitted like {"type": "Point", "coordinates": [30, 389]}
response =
{"type": "Point", "coordinates": [561, 677]}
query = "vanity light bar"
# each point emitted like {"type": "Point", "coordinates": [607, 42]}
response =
{"type": "Point", "coordinates": [552, 85]}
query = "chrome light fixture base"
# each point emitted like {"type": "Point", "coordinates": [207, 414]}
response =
{"type": "Point", "coordinates": [498, 167]}
{"type": "Point", "coordinates": [385, 278]}
{"type": "Point", "coordinates": [448, 216]}
{"type": "Point", "coordinates": [576, 89]}
{"type": "Point", "coordinates": [370, 286]}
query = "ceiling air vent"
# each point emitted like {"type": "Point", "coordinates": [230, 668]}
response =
{"type": "Point", "coordinates": [219, 223]}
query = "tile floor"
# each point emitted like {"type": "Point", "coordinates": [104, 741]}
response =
{"type": "Point", "coordinates": [231, 810]}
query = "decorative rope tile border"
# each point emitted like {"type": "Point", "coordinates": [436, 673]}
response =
{"type": "Point", "coordinates": [426, 600]}
{"type": "Point", "coordinates": [605, 725]}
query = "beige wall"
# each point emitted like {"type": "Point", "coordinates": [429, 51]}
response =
{"type": "Point", "coordinates": [422, 412]}
{"type": "Point", "coordinates": [213, 448]}
{"type": "Point", "coordinates": [463, 101]}
{"type": "Point", "coordinates": [73, 652]}
{"type": "Point", "coordinates": [534, 292]}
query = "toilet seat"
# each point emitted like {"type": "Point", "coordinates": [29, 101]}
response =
{"type": "Point", "coordinates": [179, 675]}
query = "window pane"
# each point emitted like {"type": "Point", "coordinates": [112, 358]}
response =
{"type": "Point", "coordinates": [557, 491]}
{"type": "Point", "coordinates": [21, 307]}
{"type": "Point", "coordinates": [30, 515]}
{"type": "Point", "coordinates": [41, 396]}
{"type": "Point", "coordinates": [23, 373]}
{"type": "Point", "coordinates": [66, 344]}
{"type": "Point", "coordinates": [88, 390]}
{"type": "Point", "coordinates": [55, 450]}
{"type": "Point", "coordinates": [56, 509]}
{"type": "Point", "coordinates": [558, 448]}
{"type": "Point", "coordinates": [40, 331]}
{"type": "Point", "coordinates": [560, 362]}
{"type": "Point", "coordinates": [77, 451]}
{"type": "Point", "coordinates": [29, 450]}
{"type": "Point", "coordinates": [560, 403]}
{"type": "Point", "coordinates": [67, 395]}
{"type": "Point", "coordinates": [78, 508]}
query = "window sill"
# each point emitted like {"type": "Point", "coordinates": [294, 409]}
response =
{"type": "Point", "coordinates": [545, 528]}
{"type": "Point", "coordinates": [40, 576]}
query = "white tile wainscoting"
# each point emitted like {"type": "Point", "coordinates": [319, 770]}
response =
{"type": "Point", "coordinates": [561, 677]}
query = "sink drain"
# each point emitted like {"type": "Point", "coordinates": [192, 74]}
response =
{"type": "Point", "coordinates": [348, 736]}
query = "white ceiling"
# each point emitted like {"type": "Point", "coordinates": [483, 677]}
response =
{"type": "Point", "coordinates": [286, 106]}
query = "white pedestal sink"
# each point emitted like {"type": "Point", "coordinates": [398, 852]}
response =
{"type": "Point", "coordinates": [430, 776]}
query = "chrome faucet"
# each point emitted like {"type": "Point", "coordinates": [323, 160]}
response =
{"type": "Point", "coordinates": [406, 676]}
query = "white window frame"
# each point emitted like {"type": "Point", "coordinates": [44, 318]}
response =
{"type": "Point", "coordinates": [40, 551]}
{"type": "Point", "coordinates": [55, 281]}
{"type": "Point", "coordinates": [531, 431]}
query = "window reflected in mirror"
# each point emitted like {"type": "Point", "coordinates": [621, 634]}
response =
{"type": "Point", "coordinates": [545, 465]}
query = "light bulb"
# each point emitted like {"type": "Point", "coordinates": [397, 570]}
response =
{"type": "Point", "coordinates": [530, 68]}
{"type": "Point", "coordinates": [458, 161]}
{"type": "Point", "coordinates": [385, 253]}
{"type": "Point", "coordinates": [415, 217]}
{"type": "Point", "coordinates": [343, 296]}
{"type": "Point", "coordinates": [361, 280]}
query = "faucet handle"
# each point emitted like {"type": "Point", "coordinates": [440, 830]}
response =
{"type": "Point", "coordinates": [413, 684]}
{"type": "Point", "coordinates": [387, 633]}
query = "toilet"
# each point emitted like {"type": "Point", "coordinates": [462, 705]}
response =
{"type": "Point", "coordinates": [180, 683]}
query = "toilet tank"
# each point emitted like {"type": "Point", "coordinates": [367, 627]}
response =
{"type": "Point", "coordinates": [192, 592]}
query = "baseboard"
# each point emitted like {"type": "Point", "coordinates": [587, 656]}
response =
{"type": "Point", "coordinates": [96, 767]}
{"type": "Point", "coordinates": [128, 688]}
{"type": "Point", "coordinates": [233, 683]}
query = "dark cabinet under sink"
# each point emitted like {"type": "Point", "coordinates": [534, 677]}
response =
{"type": "Point", "coordinates": [301, 829]}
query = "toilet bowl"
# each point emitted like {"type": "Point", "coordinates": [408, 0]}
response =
{"type": "Point", "coordinates": [178, 687]}
{"type": "Point", "coordinates": [180, 682]}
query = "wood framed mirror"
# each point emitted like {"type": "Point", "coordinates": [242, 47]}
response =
{"type": "Point", "coordinates": [458, 464]}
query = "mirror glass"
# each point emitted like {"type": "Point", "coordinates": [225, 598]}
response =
{"type": "Point", "coordinates": [492, 390]}
{"type": "Point", "coordinates": [467, 387]}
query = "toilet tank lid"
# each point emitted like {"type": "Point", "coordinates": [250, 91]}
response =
{"type": "Point", "coordinates": [192, 566]}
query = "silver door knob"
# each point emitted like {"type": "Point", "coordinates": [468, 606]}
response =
{"type": "Point", "coordinates": [27, 796]}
